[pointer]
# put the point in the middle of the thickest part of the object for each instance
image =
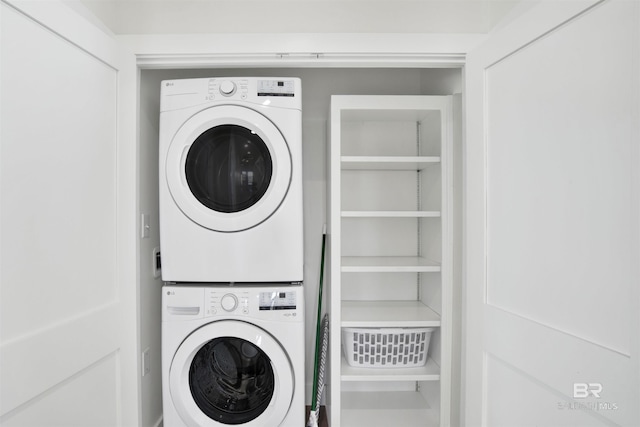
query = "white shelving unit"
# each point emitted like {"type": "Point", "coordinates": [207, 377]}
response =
{"type": "Point", "coordinates": [390, 253]}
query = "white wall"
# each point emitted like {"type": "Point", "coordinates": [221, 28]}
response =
{"type": "Point", "coordinates": [317, 87]}
{"type": "Point", "coordinates": [301, 16]}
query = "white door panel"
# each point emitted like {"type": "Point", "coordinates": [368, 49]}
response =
{"type": "Point", "coordinates": [63, 351]}
{"type": "Point", "coordinates": [559, 161]}
{"type": "Point", "coordinates": [524, 395]}
{"type": "Point", "coordinates": [60, 405]}
{"type": "Point", "coordinates": [58, 176]}
{"type": "Point", "coordinates": [552, 220]}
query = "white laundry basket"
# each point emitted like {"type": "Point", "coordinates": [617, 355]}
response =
{"type": "Point", "coordinates": [386, 347]}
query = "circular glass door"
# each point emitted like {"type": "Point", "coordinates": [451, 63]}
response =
{"type": "Point", "coordinates": [231, 373]}
{"type": "Point", "coordinates": [231, 380]}
{"type": "Point", "coordinates": [228, 168]}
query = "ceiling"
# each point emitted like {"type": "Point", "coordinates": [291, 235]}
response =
{"type": "Point", "coordinates": [297, 16]}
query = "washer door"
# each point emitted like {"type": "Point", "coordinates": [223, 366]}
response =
{"type": "Point", "coordinates": [228, 168]}
{"type": "Point", "coordinates": [231, 373]}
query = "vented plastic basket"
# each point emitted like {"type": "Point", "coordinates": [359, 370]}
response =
{"type": "Point", "coordinates": [386, 347]}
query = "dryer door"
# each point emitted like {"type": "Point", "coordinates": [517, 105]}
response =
{"type": "Point", "coordinates": [228, 168]}
{"type": "Point", "coordinates": [231, 373]}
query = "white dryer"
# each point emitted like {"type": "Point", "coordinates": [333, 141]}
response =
{"type": "Point", "coordinates": [233, 356]}
{"type": "Point", "coordinates": [231, 180]}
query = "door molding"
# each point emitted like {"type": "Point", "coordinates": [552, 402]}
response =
{"type": "Point", "coordinates": [301, 50]}
{"type": "Point", "coordinates": [301, 60]}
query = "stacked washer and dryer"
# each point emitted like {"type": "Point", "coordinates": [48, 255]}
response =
{"type": "Point", "coordinates": [231, 232]}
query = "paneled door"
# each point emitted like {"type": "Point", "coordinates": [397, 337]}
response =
{"type": "Point", "coordinates": [552, 219]}
{"type": "Point", "coordinates": [68, 352]}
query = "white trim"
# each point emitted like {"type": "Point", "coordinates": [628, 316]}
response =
{"type": "Point", "coordinates": [301, 50]}
{"type": "Point", "coordinates": [127, 227]}
{"type": "Point", "coordinates": [67, 23]}
{"type": "Point", "coordinates": [301, 60]}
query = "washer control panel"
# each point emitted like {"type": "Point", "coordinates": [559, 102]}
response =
{"type": "Point", "coordinates": [278, 303]}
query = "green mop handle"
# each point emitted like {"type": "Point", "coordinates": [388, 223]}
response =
{"type": "Point", "coordinates": [314, 399]}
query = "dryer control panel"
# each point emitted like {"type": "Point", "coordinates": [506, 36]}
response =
{"type": "Point", "coordinates": [281, 87]}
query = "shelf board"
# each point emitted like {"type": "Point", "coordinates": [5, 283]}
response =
{"type": "Point", "coordinates": [388, 265]}
{"type": "Point", "coordinates": [390, 408]}
{"type": "Point", "coordinates": [390, 314]}
{"type": "Point", "coordinates": [429, 372]}
{"type": "Point", "coordinates": [370, 113]}
{"type": "Point", "coordinates": [391, 214]}
{"type": "Point", "coordinates": [387, 162]}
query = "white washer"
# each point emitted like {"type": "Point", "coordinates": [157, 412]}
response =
{"type": "Point", "coordinates": [233, 356]}
{"type": "Point", "coordinates": [231, 180]}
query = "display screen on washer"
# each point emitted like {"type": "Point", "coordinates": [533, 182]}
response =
{"type": "Point", "coordinates": [278, 300]}
{"type": "Point", "coordinates": [228, 168]}
{"type": "Point", "coordinates": [231, 380]}
{"type": "Point", "coordinates": [276, 88]}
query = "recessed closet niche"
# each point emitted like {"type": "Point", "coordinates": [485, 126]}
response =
{"type": "Point", "coordinates": [318, 85]}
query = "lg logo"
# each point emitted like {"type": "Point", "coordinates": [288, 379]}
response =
{"type": "Point", "coordinates": [584, 390]}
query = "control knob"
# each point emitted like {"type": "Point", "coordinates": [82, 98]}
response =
{"type": "Point", "coordinates": [227, 87]}
{"type": "Point", "coordinates": [229, 302]}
